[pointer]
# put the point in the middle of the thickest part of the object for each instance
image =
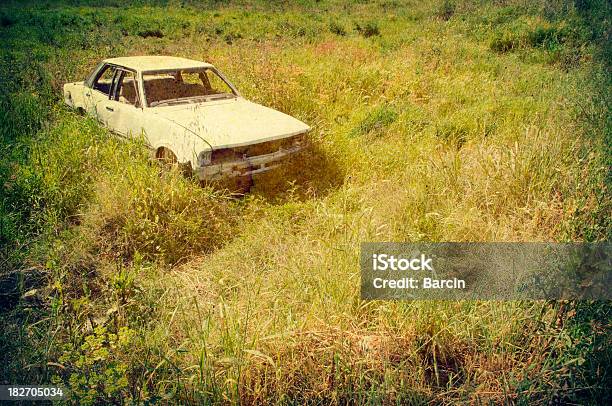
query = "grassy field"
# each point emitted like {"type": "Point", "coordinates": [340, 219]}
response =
{"type": "Point", "coordinates": [442, 121]}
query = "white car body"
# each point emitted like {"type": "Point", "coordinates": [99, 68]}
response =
{"type": "Point", "coordinates": [223, 137]}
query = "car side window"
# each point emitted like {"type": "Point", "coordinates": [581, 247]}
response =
{"type": "Point", "coordinates": [127, 89]}
{"type": "Point", "coordinates": [105, 80]}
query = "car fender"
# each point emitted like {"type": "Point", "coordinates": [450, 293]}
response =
{"type": "Point", "coordinates": [73, 94]}
{"type": "Point", "coordinates": [184, 143]}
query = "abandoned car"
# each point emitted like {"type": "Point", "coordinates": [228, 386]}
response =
{"type": "Point", "coordinates": [189, 115]}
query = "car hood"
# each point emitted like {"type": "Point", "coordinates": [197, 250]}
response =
{"type": "Point", "coordinates": [232, 122]}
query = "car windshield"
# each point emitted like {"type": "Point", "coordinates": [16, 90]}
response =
{"type": "Point", "coordinates": [185, 86]}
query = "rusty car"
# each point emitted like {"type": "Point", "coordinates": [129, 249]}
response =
{"type": "Point", "coordinates": [188, 113]}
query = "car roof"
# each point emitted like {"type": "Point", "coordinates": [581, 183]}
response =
{"type": "Point", "coordinates": [156, 63]}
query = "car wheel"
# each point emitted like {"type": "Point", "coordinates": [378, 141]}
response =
{"type": "Point", "coordinates": [168, 159]}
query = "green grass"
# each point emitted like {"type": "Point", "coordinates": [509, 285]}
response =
{"type": "Point", "coordinates": [455, 121]}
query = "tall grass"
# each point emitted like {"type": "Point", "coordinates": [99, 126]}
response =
{"type": "Point", "coordinates": [451, 122]}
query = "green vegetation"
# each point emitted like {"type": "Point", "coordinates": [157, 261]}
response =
{"type": "Point", "coordinates": [455, 121]}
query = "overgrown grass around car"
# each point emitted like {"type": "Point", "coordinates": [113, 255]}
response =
{"type": "Point", "coordinates": [453, 121]}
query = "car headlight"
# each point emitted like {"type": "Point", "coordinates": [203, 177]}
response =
{"type": "Point", "coordinates": [204, 158]}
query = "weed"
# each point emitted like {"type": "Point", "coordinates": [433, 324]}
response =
{"type": "Point", "coordinates": [447, 9]}
{"type": "Point", "coordinates": [376, 121]}
{"type": "Point", "coordinates": [159, 218]}
{"type": "Point", "coordinates": [336, 28]}
{"type": "Point", "coordinates": [367, 29]}
{"type": "Point", "coordinates": [94, 371]}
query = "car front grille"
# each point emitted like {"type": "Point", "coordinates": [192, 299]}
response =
{"type": "Point", "coordinates": [263, 148]}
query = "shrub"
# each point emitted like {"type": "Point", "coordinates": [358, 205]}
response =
{"type": "Point", "coordinates": [504, 42]}
{"type": "Point", "coordinates": [336, 28]}
{"type": "Point", "coordinates": [546, 36]}
{"type": "Point", "coordinates": [6, 20]}
{"type": "Point", "coordinates": [95, 371]}
{"type": "Point", "coordinates": [157, 33]}
{"type": "Point", "coordinates": [369, 29]}
{"type": "Point", "coordinates": [143, 26]}
{"type": "Point", "coordinates": [521, 35]}
{"type": "Point", "coordinates": [446, 10]}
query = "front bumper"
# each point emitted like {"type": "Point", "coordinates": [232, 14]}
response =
{"type": "Point", "coordinates": [246, 166]}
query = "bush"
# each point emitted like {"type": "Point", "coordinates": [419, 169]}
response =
{"type": "Point", "coordinates": [95, 372]}
{"type": "Point", "coordinates": [446, 10]}
{"type": "Point", "coordinates": [143, 26]}
{"type": "Point", "coordinates": [546, 36]}
{"type": "Point", "coordinates": [540, 34]}
{"type": "Point", "coordinates": [504, 42]}
{"type": "Point", "coordinates": [369, 29]}
{"type": "Point", "coordinates": [336, 28]}
{"type": "Point", "coordinates": [156, 33]}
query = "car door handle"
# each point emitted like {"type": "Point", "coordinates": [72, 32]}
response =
{"type": "Point", "coordinates": [109, 108]}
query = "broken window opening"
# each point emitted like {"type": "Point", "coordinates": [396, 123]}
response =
{"type": "Point", "coordinates": [127, 89]}
{"type": "Point", "coordinates": [104, 81]}
{"type": "Point", "coordinates": [184, 86]}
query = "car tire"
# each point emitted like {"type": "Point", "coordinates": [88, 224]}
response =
{"type": "Point", "coordinates": [166, 156]}
{"type": "Point", "coordinates": [168, 160]}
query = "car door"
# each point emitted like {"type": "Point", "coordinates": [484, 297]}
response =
{"type": "Point", "coordinates": [123, 109]}
{"type": "Point", "coordinates": [98, 94]}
